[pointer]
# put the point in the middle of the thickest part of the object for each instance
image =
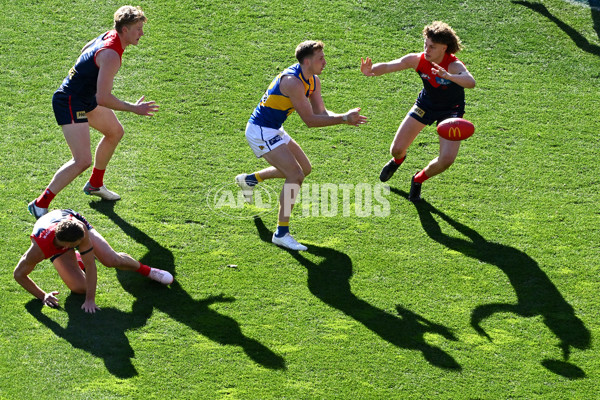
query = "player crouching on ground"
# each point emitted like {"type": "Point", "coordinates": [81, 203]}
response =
{"type": "Point", "coordinates": [55, 236]}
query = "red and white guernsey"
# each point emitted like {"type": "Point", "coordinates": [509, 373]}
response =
{"type": "Point", "coordinates": [44, 230]}
{"type": "Point", "coordinates": [439, 93]}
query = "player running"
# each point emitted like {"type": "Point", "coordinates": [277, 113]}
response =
{"type": "Point", "coordinates": [85, 99]}
{"type": "Point", "coordinates": [444, 79]}
{"type": "Point", "coordinates": [55, 236]}
{"type": "Point", "coordinates": [296, 88]}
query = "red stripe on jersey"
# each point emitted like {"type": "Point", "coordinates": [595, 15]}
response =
{"type": "Point", "coordinates": [71, 110]}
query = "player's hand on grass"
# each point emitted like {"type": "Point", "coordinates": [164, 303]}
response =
{"type": "Point", "coordinates": [50, 299]}
{"type": "Point", "coordinates": [90, 306]}
{"type": "Point", "coordinates": [145, 107]}
{"type": "Point", "coordinates": [353, 117]}
{"type": "Point", "coordinates": [366, 66]}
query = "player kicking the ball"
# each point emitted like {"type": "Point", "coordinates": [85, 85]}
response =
{"type": "Point", "coordinates": [55, 236]}
{"type": "Point", "coordinates": [443, 96]}
{"type": "Point", "coordinates": [296, 88]}
{"type": "Point", "coordinates": [84, 99]}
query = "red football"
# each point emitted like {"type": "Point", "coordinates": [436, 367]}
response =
{"type": "Point", "coordinates": [455, 129]}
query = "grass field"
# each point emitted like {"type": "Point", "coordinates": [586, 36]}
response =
{"type": "Point", "coordinates": [487, 290]}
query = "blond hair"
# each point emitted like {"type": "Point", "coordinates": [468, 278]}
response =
{"type": "Point", "coordinates": [440, 32]}
{"type": "Point", "coordinates": [128, 15]}
{"type": "Point", "coordinates": [307, 49]}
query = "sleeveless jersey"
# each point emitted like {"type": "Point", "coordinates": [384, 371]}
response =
{"type": "Point", "coordinates": [44, 230]}
{"type": "Point", "coordinates": [275, 107]}
{"type": "Point", "coordinates": [83, 77]}
{"type": "Point", "coordinates": [439, 93]}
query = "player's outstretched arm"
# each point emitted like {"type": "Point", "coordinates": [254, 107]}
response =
{"type": "Point", "coordinates": [409, 61]}
{"type": "Point", "coordinates": [313, 111]}
{"type": "Point", "coordinates": [26, 264]}
{"type": "Point", "coordinates": [91, 274]}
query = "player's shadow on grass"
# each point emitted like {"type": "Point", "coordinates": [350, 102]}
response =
{"type": "Point", "coordinates": [577, 38]}
{"type": "Point", "coordinates": [329, 281]}
{"type": "Point", "coordinates": [536, 294]}
{"type": "Point", "coordinates": [177, 303]}
{"type": "Point", "coordinates": [101, 334]}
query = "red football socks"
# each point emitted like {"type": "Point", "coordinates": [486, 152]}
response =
{"type": "Point", "coordinates": [399, 160]}
{"type": "Point", "coordinates": [421, 177]}
{"type": "Point", "coordinates": [45, 198]}
{"type": "Point", "coordinates": [143, 270]}
{"type": "Point", "coordinates": [97, 178]}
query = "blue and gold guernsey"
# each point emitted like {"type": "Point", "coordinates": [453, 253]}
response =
{"type": "Point", "coordinates": [83, 77]}
{"type": "Point", "coordinates": [275, 107]}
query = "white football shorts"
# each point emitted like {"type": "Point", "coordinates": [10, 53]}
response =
{"type": "Point", "coordinates": [262, 139]}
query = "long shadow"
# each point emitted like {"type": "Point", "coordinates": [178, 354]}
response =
{"type": "Point", "coordinates": [575, 36]}
{"type": "Point", "coordinates": [329, 281]}
{"type": "Point", "coordinates": [177, 303]}
{"type": "Point", "coordinates": [536, 294]}
{"type": "Point", "coordinates": [101, 334]}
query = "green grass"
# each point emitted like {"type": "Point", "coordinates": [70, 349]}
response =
{"type": "Point", "coordinates": [486, 291]}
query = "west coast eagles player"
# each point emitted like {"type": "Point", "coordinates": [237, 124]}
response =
{"type": "Point", "coordinates": [84, 99]}
{"type": "Point", "coordinates": [443, 96]}
{"type": "Point", "coordinates": [297, 88]}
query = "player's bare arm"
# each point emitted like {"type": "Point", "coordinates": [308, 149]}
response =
{"type": "Point", "coordinates": [456, 73]}
{"type": "Point", "coordinates": [313, 111]}
{"type": "Point", "coordinates": [409, 61]}
{"type": "Point", "coordinates": [352, 117]}
{"type": "Point", "coordinates": [91, 273]}
{"type": "Point", "coordinates": [26, 264]}
{"type": "Point", "coordinates": [109, 63]}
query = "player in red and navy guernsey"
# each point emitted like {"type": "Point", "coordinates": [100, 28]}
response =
{"type": "Point", "coordinates": [55, 236]}
{"type": "Point", "coordinates": [297, 88]}
{"type": "Point", "coordinates": [85, 99]}
{"type": "Point", "coordinates": [443, 96]}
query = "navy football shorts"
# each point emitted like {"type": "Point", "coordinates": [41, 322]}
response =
{"type": "Point", "coordinates": [428, 116]}
{"type": "Point", "coordinates": [70, 109]}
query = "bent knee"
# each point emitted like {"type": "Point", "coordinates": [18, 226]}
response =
{"type": "Point", "coordinates": [306, 170]}
{"type": "Point", "coordinates": [446, 162]}
{"type": "Point", "coordinates": [115, 133]}
{"type": "Point", "coordinates": [296, 176]}
{"type": "Point", "coordinates": [83, 162]}
{"type": "Point", "coordinates": [397, 151]}
{"type": "Point", "coordinates": [78, 289]}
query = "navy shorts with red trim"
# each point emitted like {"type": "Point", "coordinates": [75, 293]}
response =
{"type": "Point", "coordinates": [70, 109]}
{"type": "Point", "coordinates": [426, 115]}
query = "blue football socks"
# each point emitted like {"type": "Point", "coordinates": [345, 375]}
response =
{"type": "Point", "coordinates": [251, 179]}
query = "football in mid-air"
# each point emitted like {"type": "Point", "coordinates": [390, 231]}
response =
{"type": "Point", "coordinates": [455, 129]}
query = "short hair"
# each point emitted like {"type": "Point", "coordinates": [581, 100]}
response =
{"type": "Point", "coordinates": [69, 231]}
{"type": "Point", "coordinates": [440, 32]}
{"type": "Point", "coordinates": [128, 15]}
{"type": "Point", "coordinates": [307, 49]}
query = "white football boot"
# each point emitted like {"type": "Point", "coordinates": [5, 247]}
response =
{"type": "Point", "coordinates": [247, 190]}
{"type": "Point", "coordinates": [36, 211]}
{"type": "Point", "coordinates": [288, 242]}
{"type": "Point", "coordinates": [161, 276]}
{"type": "Point", "coordinates": [101, 192]}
